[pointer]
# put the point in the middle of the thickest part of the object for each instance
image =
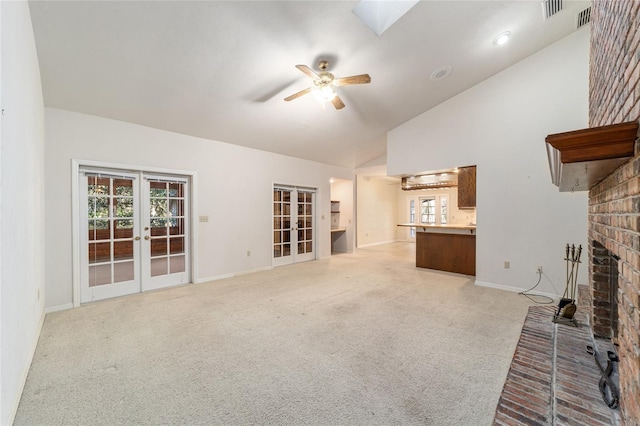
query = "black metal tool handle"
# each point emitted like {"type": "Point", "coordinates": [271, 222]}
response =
{"type": "Point", "coordinates": [611, 398]}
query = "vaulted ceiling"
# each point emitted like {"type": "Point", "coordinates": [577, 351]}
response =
{"type": "Point", "coordinates": [221, 69]}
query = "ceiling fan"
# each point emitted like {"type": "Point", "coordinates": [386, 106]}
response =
{"type": "Point", "coordinates": [324, 83]}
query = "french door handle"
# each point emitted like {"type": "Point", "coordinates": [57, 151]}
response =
{"type": "Point", "coordinates": [146, 237]}
{"type": "Point", "coordinates": [137, 238]}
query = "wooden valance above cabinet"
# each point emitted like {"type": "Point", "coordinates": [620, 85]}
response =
{"type": "Point", "coordinates": [580, 159]}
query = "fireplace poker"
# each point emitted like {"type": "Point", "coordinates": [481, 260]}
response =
{"type": "Point", "coordinates": [566, 258]}
{"type": "Point", "coordinates": [577, 263]}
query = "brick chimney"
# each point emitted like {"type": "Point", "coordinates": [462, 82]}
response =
{"type": "Point", "coordinates": [614, 203]}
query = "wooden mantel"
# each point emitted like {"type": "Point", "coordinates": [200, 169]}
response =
{"type": "Point", "coordinates": [580, 159]}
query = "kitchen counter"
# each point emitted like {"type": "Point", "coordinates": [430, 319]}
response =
{"type": "Point", "coordinates": [450, 248]}
{"type": "Point", "coordinates": [443, 229]}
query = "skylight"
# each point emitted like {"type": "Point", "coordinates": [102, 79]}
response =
{"type": "Point", "coordinates": [379, 15]}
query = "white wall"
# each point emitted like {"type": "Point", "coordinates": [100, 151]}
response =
{"type": "Point", "coordinates": [234, 191]}
{"type": "Point", "coordinates": [21, 212]}
{"type": "Point", "coordinates": [376, 211]}
{"type": "Point", "coordinates": [500, 125]}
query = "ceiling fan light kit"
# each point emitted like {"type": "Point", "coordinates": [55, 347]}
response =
{"type": "Point", "coordinates": [323, 85]}
{"type": "Point", "coordinates": [324, 93]}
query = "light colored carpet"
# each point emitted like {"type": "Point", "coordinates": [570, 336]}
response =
{"type": "Point", "coordinates": [358, 339]}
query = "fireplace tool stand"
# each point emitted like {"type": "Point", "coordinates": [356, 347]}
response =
{"type": "Point", "coordinates": [567, 304]}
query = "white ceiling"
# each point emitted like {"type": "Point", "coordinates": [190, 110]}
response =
{"type": "Point", "coordinates": [220, 69]}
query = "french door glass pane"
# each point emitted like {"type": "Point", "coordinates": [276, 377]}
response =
{"type": "Point", "coordinates": [177, 227]}
{"type": "Point", "coordinates": [159, 266]}
{"type": "Point", "coordinates": [123, 228]}
{"type": "Point", "coordinates": [98, 207]}
{"type": "Point", "coordinates": [123, 250]}
{"type": "Point", "coordinates": [123, 271]}
{"type": "Point", "coordinates": [177, 264]}
{"type": "Point", "coordinates": [99, 252]}
{"type": "Point", "coordinates": [99, 275]}
{"type": "Point", "coordinates": [124, 207]}
{"type": "Point", "coordinates": [98, 186]}
{"type": "Point", "coordinates": [158, 247]}
{"type": "Point", "coordinates": [176, 245]}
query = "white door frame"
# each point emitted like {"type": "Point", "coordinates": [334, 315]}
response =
{"type": "Point", "coordinates": [76, 164]}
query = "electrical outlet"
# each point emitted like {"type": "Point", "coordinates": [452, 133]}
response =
{"type": "Point", "coordinates": [248, 253]}
{"type": "Point", "coordinates": [538, 269]}
{"type": "Point", "coordinates": [507, 264]}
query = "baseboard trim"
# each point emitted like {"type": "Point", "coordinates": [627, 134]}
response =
{"type": "Point", "coordinates": [514, 289]}
{"type": "Point", "coordinates": [57, 308]}
{"type": "Point", "coordinates": [233, 274]}
{"type": "Point", "coordinates": [378, 244]}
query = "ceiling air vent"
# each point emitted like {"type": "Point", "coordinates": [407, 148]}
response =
{"type": "Point", "coordinates": [583, 18]}
{"type": "Point", "coordinates": [551, 7]}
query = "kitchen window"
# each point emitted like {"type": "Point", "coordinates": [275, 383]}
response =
{"type": "Point", "coordinates": [434, 210]}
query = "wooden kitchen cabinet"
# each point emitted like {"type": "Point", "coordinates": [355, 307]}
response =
{"type": "Point", "coordinates": [467, 187]}
{"type": "Point", "coordinates": [446, 252]}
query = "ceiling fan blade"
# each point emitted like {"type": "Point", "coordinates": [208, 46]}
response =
{"type": "Point", "coordinates": [337, 102]}
{"type": "Point", "coordinates": [297, 95]}
{"type": "Point", "coordinates": [354, 79]}
{"type": "Point", "coordinates": [308, 71]}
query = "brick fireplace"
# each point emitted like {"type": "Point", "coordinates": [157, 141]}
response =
{"type": "Point", "coordinates": [614, 203]}
{"type": "Point", "coordinates": [603, 307]}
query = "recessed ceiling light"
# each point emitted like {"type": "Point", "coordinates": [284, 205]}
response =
{"type": "Point", "coordinates": [441, 73]}
{"type": "Point", "coordinates": [502, 38]}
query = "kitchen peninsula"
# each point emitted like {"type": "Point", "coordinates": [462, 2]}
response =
{"type": "Point", "coordinates": [450, 248]}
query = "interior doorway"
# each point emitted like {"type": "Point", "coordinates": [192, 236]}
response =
{"type": "Point", "coordinates": [341, 215]}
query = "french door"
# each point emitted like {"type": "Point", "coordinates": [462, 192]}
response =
{"type": "Point", "coordinates": [293, 225]}
{"type": "Point", "coordinates": [134, 233]}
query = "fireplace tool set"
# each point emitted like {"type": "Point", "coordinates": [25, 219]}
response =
{"type": "Point", "coordinates": [567, 304]}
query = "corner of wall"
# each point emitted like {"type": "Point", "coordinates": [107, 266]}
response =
{"type": "Point", "coordinates": [22, 237]}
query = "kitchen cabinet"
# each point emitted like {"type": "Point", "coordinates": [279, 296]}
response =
{"type": "Point", "coordinates": [446, 252]}
{"type": "Point", "coordinates": [467, 187]}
